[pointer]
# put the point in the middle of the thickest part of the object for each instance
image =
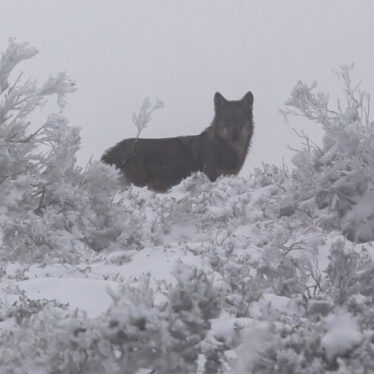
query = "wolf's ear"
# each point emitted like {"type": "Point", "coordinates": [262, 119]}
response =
{"type": "Point", "coordinates": [248, 99]}
{"type": "Point", "coordinates": [219, 100]}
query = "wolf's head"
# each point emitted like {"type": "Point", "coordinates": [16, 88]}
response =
{"type": "Point", "coordinates": [233, 119]}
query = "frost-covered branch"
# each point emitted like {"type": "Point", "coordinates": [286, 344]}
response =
{"type": "Point", "coordinates": [14, 54]}
{"type": "Point", "coordinates": [141, 119]}
{"type": "Point", "coordinates": [306, 102]}
{"type": "Point", "coordinates": [340, 172]}
{"type": "Point", "coordinates": [59, 85]}
{"type": "Point", "coordinates": [144, 116]}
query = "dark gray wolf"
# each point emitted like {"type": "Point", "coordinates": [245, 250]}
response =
{"type": "Point", "coordinates": [219, 150]}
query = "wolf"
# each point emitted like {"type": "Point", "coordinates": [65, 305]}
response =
{"type": "Point", "coordinates": [220, 149]}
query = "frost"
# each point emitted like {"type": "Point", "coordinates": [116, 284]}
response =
{"type": "Point", "coordinates": [14, 54]}
{"type": "Point", "coordinates": [144, 116]}
{"type": "Point", "coordinates": [60, 85]}
{"type": "Point", "coordinates": [272, 273]}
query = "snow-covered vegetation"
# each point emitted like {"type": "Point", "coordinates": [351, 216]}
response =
{"type": "Point", "coordinates": [267, 274]}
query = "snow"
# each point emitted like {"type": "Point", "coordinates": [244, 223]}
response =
{"type": "Point", "coordinates": [223, 328]}
{"type": "Point", "coordinates": [274, 271]}
{"type": "Point", "coordinates": [159, 262]}
{"type": "Point", "coordinates": [199, 239]}
{"type": "Point", "coordinates": [343, 335]}
{"type": "Point", "coordinates": [270, 303]}
{"type": "Point", "coordinates": [87, 290]}
{"type": "Point", "coordinates": [221, 241]}
{"type": "Point", "coordinates": [90, 295]}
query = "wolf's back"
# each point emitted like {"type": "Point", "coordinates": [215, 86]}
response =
{"type": "Point", "coordinates": [157, 163]}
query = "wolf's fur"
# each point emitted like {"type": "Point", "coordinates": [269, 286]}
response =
{"type": "Point", "coordinates": [219, 150]}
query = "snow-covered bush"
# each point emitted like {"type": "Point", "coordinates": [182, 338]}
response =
{"type": "Point", "coordinates": [326, 332]}
{"type": "Point", "coordinates": [334, 182]}
{"type": "Point", "coordinates": [49, 206]}
{"type": "Point", "coordinates": [134, 334]}
{"type": "Point", "coordinates": [326, 326]}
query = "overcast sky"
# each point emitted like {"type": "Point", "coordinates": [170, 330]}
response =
{"type": "Point", "coordinates": [120, 52]}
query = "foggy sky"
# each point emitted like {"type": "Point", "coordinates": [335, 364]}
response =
{"type": "Point", "coordinates": [120, 52]}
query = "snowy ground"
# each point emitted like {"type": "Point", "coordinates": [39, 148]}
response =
{"type": "Point", "coordinates": [222, 228]}
{"type": "Point", "coordinates": [85, 285]}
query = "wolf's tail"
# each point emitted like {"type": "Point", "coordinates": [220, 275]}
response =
{"type": "Point", "coordinates": [121, 153]}
{"type": "Point", "coordinates": [108, 157]}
